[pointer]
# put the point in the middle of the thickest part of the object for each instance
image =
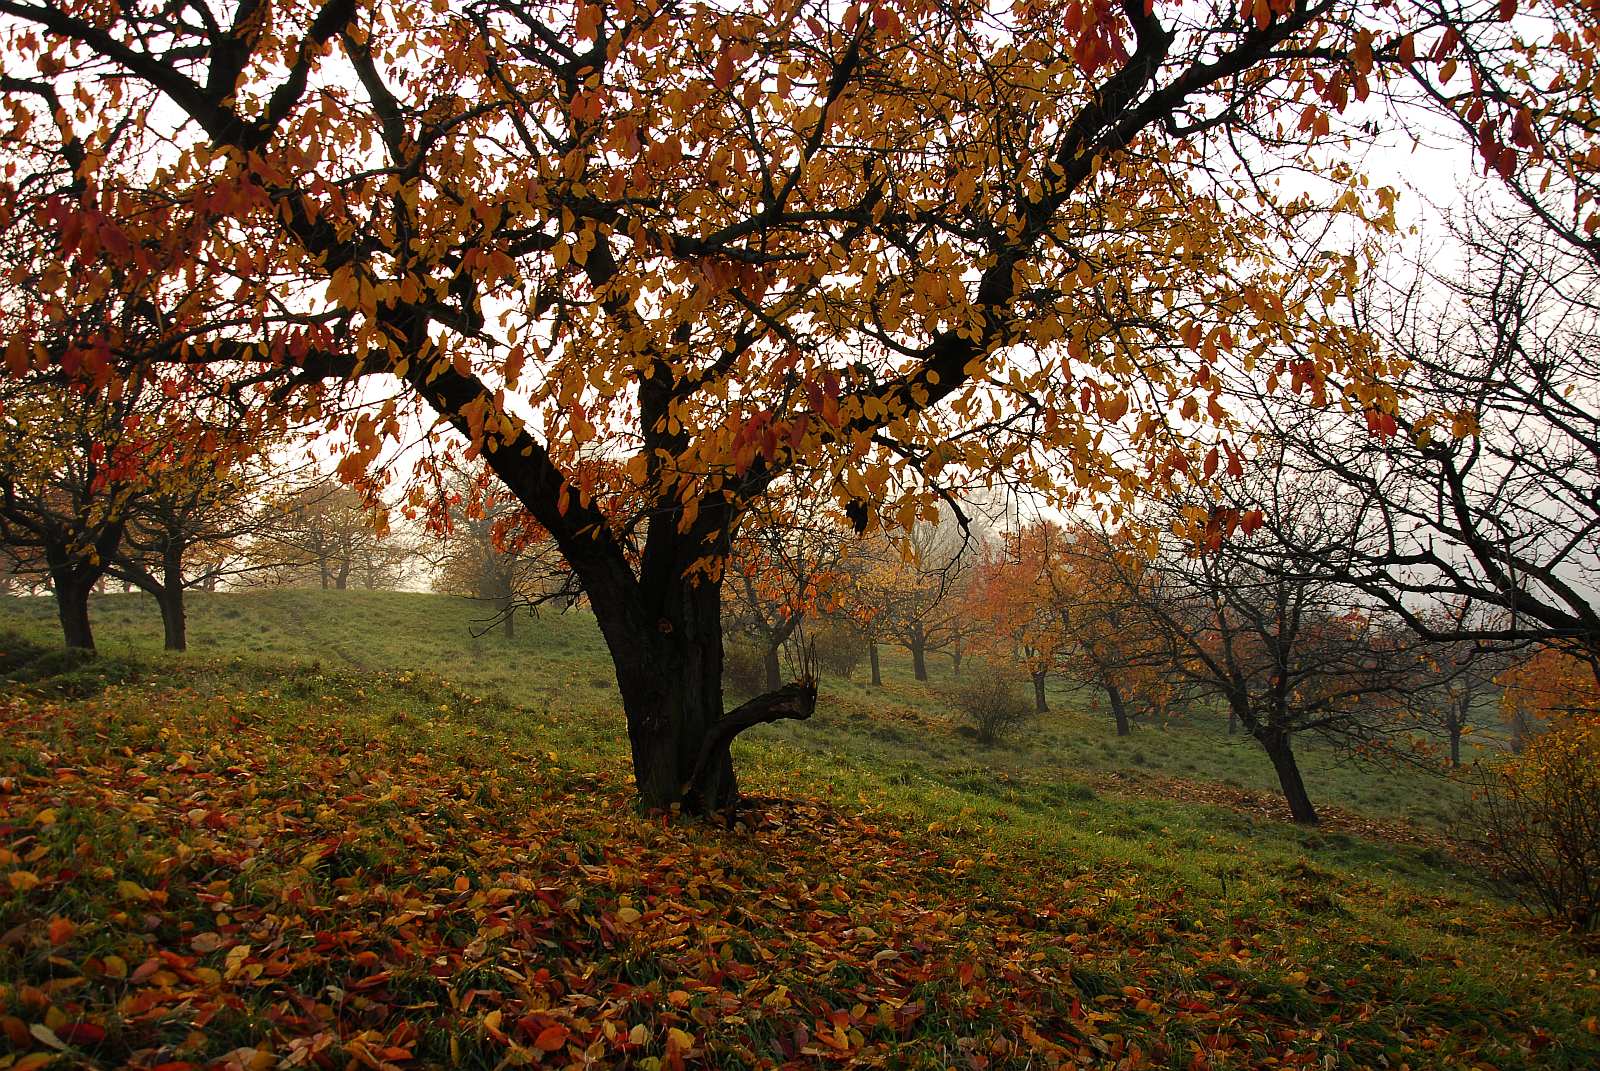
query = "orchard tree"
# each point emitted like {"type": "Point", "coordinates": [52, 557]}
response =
{"type": "Point", "coordinates": [326, 533]}
{"type": "Point", "coordinates": [1289, 654]}
{"type": "Point", "coordinates": [72, 466]}
{"type": "Point", "coordinates": [785, 567]}
{"type": "Point", "coordinates": [490, 548]}
{"type": "Point", "coordinates": [915, 587]}
{"type": "Point", "coordinates": [1008, 603]}
{"type": "Point", "coordinates": [1472, 512]}
{"type": "Point", "coordinates": [865, 244]}
{"type": "Point", "coordinates": [190, 528]}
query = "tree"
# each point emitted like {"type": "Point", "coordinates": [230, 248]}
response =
{"type": "Point", "coordinates": [914, 587]}
{"type": "Point", "coordinates": [1008, 598]}
{"type": "Point", "coordinates": [71, 466]}
{"type": "Point", "coordinates": [1288, 654]}
{"type": "Point", "coordinates": [491, 548]}
{"type": "Point", "coordinates": [326, 533]}
{"type": "Point", "coordinates": [784, 568]}
{"type": "Point", "coordinates": [189, 529]}
{"type": "Point", "coordinates": [1472, 513]}
{"type": "Point", "coordinates": [727, 246]}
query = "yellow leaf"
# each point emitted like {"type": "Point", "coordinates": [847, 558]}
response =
{"type": "Point", "coordinates": [23, 880]}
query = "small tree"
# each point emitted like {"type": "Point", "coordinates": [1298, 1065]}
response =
{"type": "Point", "coordinates": [992, 703]}
{"type": "Point", "coordinates": [1539, 813]}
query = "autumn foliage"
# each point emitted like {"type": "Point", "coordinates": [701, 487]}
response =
{"type": "Point", "coordinates": [1540, 817]}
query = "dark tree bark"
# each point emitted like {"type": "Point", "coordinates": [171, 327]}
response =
{"type": "Point", "coordinates": [1279, 749]}
{"type": "Point", "coordinates": [1119, 709]}
{"type": "Point", "coordinates": [769, 660]}
{"type": "Point", "coordinates": [174, 626]}
{"type": "Point", "coordinates": [1455, 721]}
{"type": "Point", "coordinates": [1039, 704]}
{"type": "Point", "coordinates": [72, 606]}
{"type": "Point", "coordinates": [872, 659]}
{"type": "Point", "coordinates": [917, 644]}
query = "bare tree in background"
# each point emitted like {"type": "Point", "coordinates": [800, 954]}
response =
{"type": "Point", "coordinates": [326, 534]}
{"type": "Point", "coordinates": [1289, 654]}
{"type": "Point", "coordinates": [1479, 487]}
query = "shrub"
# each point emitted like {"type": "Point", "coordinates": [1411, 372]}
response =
{"type": "Point", "coordinates": [992, 701]}
{"type": "Point", "coordinates": [840, 647]}
{"type": "Point", "coordinates": [743, 669]}
{"type": "Point", "coordinates": [1538, 815]}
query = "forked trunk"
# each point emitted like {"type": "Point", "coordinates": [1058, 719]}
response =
{"type": "Point", "coordinates": [670, 677]}
{"type": "Point", "coordinates": [1280, 750]}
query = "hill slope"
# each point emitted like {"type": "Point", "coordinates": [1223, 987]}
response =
{"type": "Point", "coordinates": [349, 857]}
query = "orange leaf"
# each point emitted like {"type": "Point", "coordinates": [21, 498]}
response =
{"type": "Point", "coordinates": [551, 1038]}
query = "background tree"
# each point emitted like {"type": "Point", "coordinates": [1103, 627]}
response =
{"type": "Point", "coordinates": [665, 203]}
{"type": "Point", "coordinates": [1288, 654]}
{"type": "Point", "coordinates": [325, 533]}
{"type": "Point", "coordinates": [72, 465]}
{"type": "Point", "coordinates": [784, 569]}
{"type": "Point", "coordinates": [190, 528]}
{"type": "Point", "coordinates": [490, 548]}
{"type": "Point", "coordinates": [1477, 489]}
{"type": "Point", "coordinates": [914, 587]}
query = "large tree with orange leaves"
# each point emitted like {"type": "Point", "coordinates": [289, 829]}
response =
{"type": "Point", "coordinates": [711, 246]}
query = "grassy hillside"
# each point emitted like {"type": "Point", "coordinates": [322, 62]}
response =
{"type": "Point", "coordinates": [422, 843]}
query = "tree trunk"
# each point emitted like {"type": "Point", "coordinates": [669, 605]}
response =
{"type": "Point", "coordinates": [1281, 752]}
{"type": "Point", "coordinates": [955, 658]}
{"type": "Point", "coordinates": [1039, 704]}
{"type": "Point", "coordinates": [170, 599]}
{"type": "Point", "coordinates": [769, 661]}
{"type": "Point", "coordinates": [872, 659]}
{"type": "Point", "coordinates": [669, 671]}
{"type": "Point", "coordinates": [1119, 709]}
{"type": "Point", "coordinates": [508, 620]}
{"type": "Point", "coordinates": [173, 625]}
{"type": "Point", "coordinates": [1455, 720]}
{"type": "Point", "coordinates": [918, 646]}
{"type": "Point", "coordinates": [72, 605]}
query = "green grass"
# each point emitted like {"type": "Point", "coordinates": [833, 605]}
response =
{"type": "Point", "coordinates": [1168, 808]}
{"type": "Point", "coordinates": [1165, 797]}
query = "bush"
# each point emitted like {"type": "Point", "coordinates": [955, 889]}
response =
{"type": "Point", "coordinates": [840, 647]}
{"type": "Point", "coordinates": [1538, 816]}
{"type": "Point", "coordinates": [992, 701]}
{"type": "Point", "coordinates": [744, 671]}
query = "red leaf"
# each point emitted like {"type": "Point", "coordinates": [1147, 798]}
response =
{"type": "Point", "coordinates": [551, 1038]}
